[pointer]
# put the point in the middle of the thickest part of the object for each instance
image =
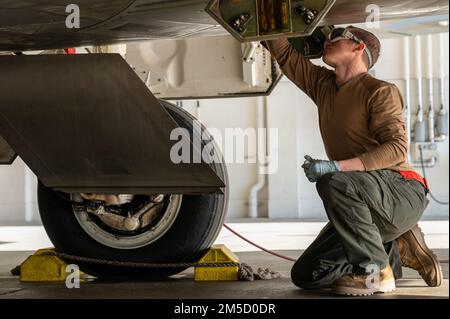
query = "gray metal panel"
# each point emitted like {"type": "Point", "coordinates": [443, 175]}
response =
{"type": "Point", "coordinates": [37, 24]}
{"type": "Point", "coordinates": [87, 122]}
{"type": "Point", "coordinates": [7, 154]}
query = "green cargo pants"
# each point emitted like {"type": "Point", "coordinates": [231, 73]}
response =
{"type": "Point", "coordinates": [367, 211]}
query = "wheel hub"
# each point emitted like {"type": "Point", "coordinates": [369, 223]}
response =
{"type": "Point", "coordinates": [126, 221]}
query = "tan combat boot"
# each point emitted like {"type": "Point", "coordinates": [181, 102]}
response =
{"type": "Point", "coordinates": [415, 254]}
{"type": "Point", "coordinates": [365, 285]}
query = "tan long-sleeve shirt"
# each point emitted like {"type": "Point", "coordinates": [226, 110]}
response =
{"type": "Point", "coordinates": [362, 118]}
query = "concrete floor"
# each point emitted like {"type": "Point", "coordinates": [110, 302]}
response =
{"type": "Point", "coordinates": [182, 286]}
{"type": "Point", "coordinates": [288, 238]}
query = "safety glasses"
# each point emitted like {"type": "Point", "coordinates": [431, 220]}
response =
{"type": "Point", "coordinates": [338, 34]}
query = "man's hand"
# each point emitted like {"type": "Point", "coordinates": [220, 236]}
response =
{"type": "Point", "coordinates": [315, 169]}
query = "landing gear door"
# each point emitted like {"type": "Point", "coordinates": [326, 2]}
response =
{"type": "Point", "coordinates": [87, 123]}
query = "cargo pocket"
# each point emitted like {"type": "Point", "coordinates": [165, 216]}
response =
{"type": "Point", "coordinates": [410, 204]}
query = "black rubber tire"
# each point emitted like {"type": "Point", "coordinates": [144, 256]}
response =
{"type": "Point", "coordinates": [197, 226]}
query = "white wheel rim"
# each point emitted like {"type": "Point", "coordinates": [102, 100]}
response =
{"type": "Point", "coordinates": [131, 242]}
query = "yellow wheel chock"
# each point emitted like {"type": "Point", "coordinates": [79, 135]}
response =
{"type": "Point", "coordinates": [40, 267]}
{"type": "Point", "coordinates": [217, 254]}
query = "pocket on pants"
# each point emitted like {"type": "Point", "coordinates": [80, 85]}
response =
{"type": "Point", "coordinates": [410, 204]}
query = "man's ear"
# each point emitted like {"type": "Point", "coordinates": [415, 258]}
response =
{"type": "Point", "coordinates": [360, 47]}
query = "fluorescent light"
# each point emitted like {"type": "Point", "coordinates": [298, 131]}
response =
{"type": "Point", "coordinates": [443, 23]}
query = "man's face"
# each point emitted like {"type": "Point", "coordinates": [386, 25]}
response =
{"type": "Point", "coordinates": [339, 52]}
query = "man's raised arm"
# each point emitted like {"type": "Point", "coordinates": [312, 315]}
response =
{"type": "Point", "coordinates": [307, 76]}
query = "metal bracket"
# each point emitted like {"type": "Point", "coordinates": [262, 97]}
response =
{"type": "Point", "coordinates": [432, 152]}
{"type": "Point", "coordinates": [7, 154]}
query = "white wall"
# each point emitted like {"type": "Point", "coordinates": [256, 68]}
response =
{"type": "Point", "coordinates": [229, 113]}
{"type": "Point", "coordinates": [18, 200]}
{"type": "Point", "coordinates": [295, 115]}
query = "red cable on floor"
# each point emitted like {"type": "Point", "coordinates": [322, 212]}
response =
{"type": "Point", "coordinates": [256, 245]}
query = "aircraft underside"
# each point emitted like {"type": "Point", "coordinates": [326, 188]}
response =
{"type": "Point", "coordinates": [34, 25]}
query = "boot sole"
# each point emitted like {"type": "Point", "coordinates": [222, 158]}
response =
{"type": "Point", "coordinates": [417, 234]}
{"type": "Point", "coordinates": [385, 287]}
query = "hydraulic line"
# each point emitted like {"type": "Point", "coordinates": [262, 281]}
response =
{"type": "Point", "coordinates": [257, 246]}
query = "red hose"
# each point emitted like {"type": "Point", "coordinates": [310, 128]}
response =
{"type": "Point", "coordinates": [256, 245]}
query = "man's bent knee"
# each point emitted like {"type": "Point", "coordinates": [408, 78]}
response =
{"type": "Point", "coordinates": [329, 185]}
